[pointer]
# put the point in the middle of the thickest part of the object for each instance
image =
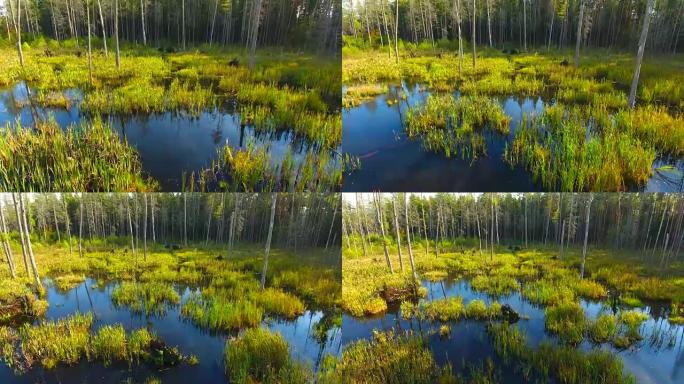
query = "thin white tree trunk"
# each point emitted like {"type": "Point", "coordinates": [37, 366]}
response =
{"type": "Point", "coordinates": [586, 235]}
{"type": "Point", "coordinates": [274, 198]}
{"type": "Point", "coordinates": [640, 53]}
{"type": "Point", "coordinates": [104, 30]}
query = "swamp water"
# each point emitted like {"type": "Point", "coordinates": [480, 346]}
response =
{"type": "Point", "coordinates": [657, 359]}
{"type": "Point", "coordinates": [169, 143]}
{"type": "Point", "coordinates": [174, 330]}
{"type": "Point", "coordinates": [373, 131]}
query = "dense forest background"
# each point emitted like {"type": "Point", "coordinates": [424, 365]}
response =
{"type": "Point", "coordinates": [651, 224]}
{"type": "Point", "coordinates": [297, 24]}
{"type": "Point", "coordinates": [549, 24]}
{"type": "Point", "coordinates": [300, 220]}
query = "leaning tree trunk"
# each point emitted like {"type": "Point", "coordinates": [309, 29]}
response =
{"type": "Point", "coordinates": [382, 233]}
{"type": "Point", "coordinates": [34, 267]}
{"type": "Point", "coordinates": [104, 30]}
{"type": "Point", "coordinates": [640, 53]}
{"type": "Point", "coordinates": [408, 237]}
{"type": "Point", "coordinates": [5, 242]}
{"type": "Point", "coordinates": [274, 198]}
{"type": "Point", "coordinates": [586, 235]}
{"type": "Point", "coordinates": [21, 234]}
{"type": "Point", "coordinates": [396, 229]}
{"type": "Point", "coordinates": [579, 33]}
{"type": "Point", "coordinates": [254, 33]}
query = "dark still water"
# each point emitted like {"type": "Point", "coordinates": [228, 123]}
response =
{"type": "Point", "coordinates": [168, 143]}
{"type": "Point", "coordinates": [391, 162]}
{"type": "Point", "coordinates": [174, 330]}
{"type": "Point", "coordinates": [657, 359]}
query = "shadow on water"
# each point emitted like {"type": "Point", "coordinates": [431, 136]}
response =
{"type": "Point", "coordinates": [658, 358]}
{"type": "Point", "coordinates": [174, 330]}
{"type": "Point", "coordinates": [169, 143]}
{"type": "Point", "coordinates": [390, 161]}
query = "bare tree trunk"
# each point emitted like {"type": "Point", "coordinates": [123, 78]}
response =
{"type": "Point", "coordinates": [80, 227]}
{"type": "Point", "coordinates": [382, 232]}
{"type": "Point", "coordinates": [27, 235]}
{"type": "Point", "coordinates": [473, 42]}
{"type": "Point", "coordinates": [5, 242]}
{"type": "Point", "coordinates": [185, 219]}
{"type": "Point", "coordinates": [640, 53]}
{"type": "Point", "coordinates": [145, 228]}
{"type": "Point", "coordinates": [586, 235]}
{"type": "Point", "coordinates": [104, 30]}
{"type": "Point", "coordinates": [130, 225]}
{"type": "Point", "coordinates": [254, 33]}
{"type": "Point", "coordinates": [491, 254]}
{"type": "Point", "coordinates": [68, 225]}
{"type": "Point", "coordinates": [154, 236]}
{"type": "Point", "coordinates": [361, 228]}
{"type": "Point", "coordinates": [274, 198]}
{"type": "Point", "coordinates": [579, 33]}
{"type": "Point", "coordinates": [396, 229]}
{"type": "Point", "coordinates": [116, 33]}
{"type": "Point", "coordinates": [54, 215]}
{"type": "Point", "coordinates": [17, 26]}
{"type": "Point", "coordinates": [408, 237]}
{"type": "Point", "coordinates": [213, 23]}
{"type": "Point", "coordinates": [183, 21]}
{"type": "Point", "coordinates": [90, 52]}
{"type": "Point", "coordinates": [332, 224]}
{"type": "Point", "coordinates": [21, 235]}
{"type": "Point", "coordinates": [396, 32]}
{"type": "Point", "coordinates": [525, 25]}
{"type": "Point", "coordinates": [142, 19]}
{"type": "Point", "coordinates": [489, 22]}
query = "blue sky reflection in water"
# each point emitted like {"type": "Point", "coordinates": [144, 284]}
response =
{"type": "Point", "coordinates": [391, 162]}
{"type": "Point", "coordinates": [657, 359]}
{"type": "Point", "coordinates": [174, 330]}
{"type": "Point", "coordinates": [168, 143]}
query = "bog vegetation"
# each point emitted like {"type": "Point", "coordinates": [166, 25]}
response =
{"type": "Point", "coordinates": [248, 259]}
{"type": "Point", "coordinates": [54, 48]}
{"type": "Point", "coordinates": [555, 251]}
{"type": "Point", "coordinates": [583, 59]}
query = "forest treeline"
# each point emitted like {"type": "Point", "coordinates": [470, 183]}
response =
{"type": "Point", "coordinates": [520, 23]}
{"type": "Point", "coordinates": [302, 24]}
{"type": "Point", "coordinates": [300, 220]}
{"type": "Point", "coordinates": [649, 223]}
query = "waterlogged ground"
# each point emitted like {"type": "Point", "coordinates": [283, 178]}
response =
{"type": "Point", "coordinates": [389, 161]}
{"type": "Point", "coordinates": [658, 358]}
{"type": "Point", "coordinates": [170, 144]}
{"type": "Point", "coordinates": [206, 346]}
{"type": "Point", "coordinates": [206, 307]}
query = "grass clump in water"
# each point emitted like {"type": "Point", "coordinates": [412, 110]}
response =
{"type": "Point", "coordinates": [390, 358]}
{"type": "Point", "coordinates": [449, 309]}
{"type": "Point", "coordinates": [220, 314]}
{"type": "Point", "coordinates": [90, 157]}
{"type": "Point", "coordinates": [279, 303]}
{"type": "Point", "coordinates": [109, 344]}
{"type": "Point", "coordinates": [561, 363]}
{"type": "Point", "coordinates": [148, 298]}
{"type": "Point", "coordinates": [567, 320]}
{"type": "Point", "coordinates": [603, 329]}
{"type": "Point", "coordinates": [454, 126]}
{"type": "Point", "coordinates": [261, 356]}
